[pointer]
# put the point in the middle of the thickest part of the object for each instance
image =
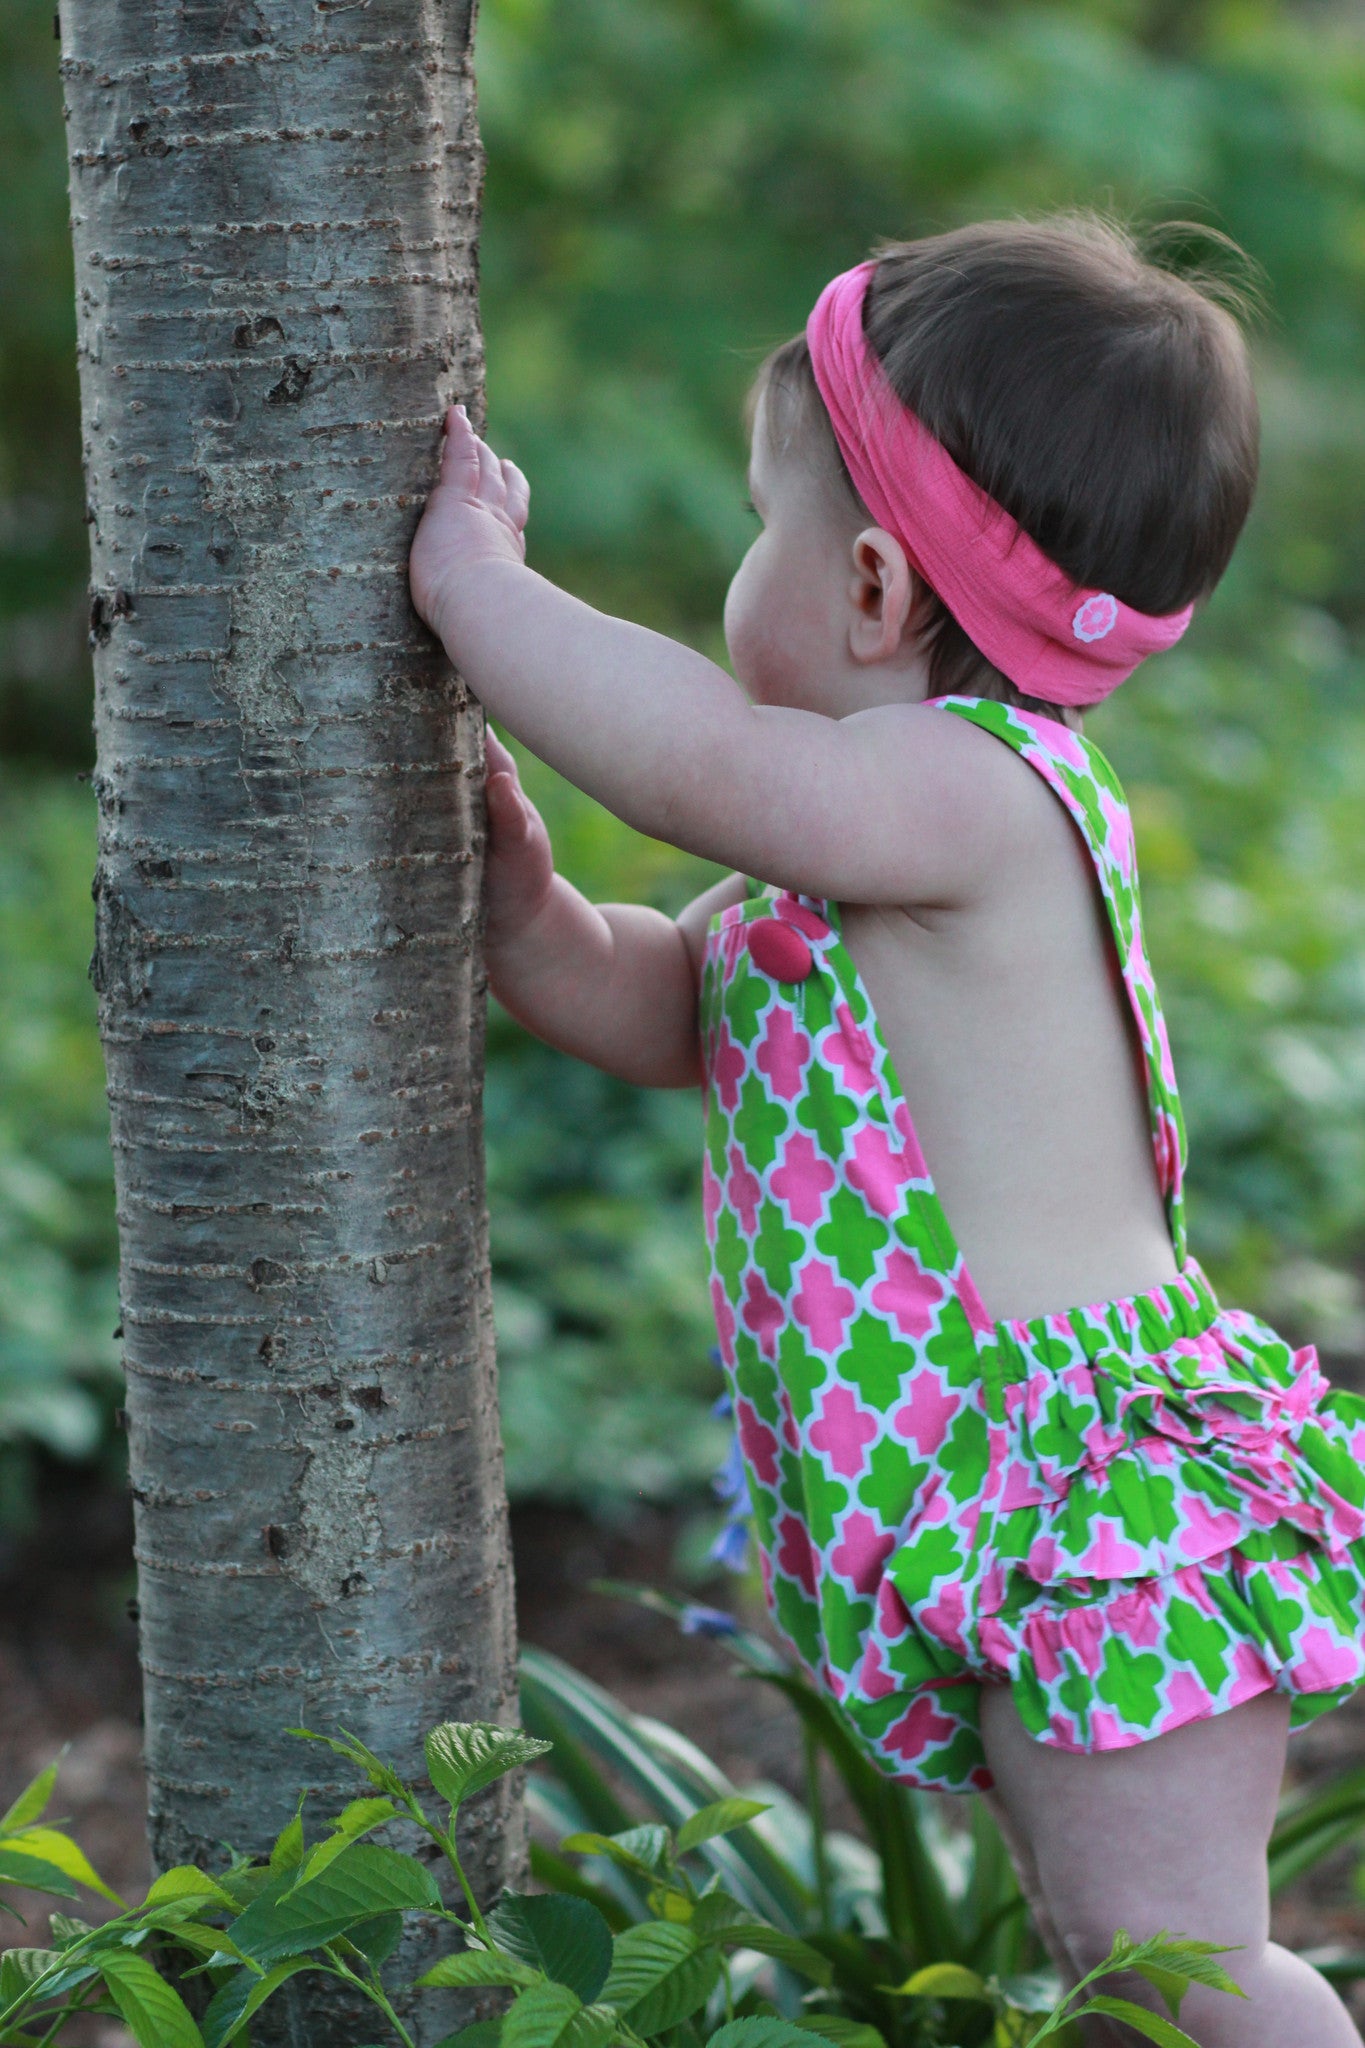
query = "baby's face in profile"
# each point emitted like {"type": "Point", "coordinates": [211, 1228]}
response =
{"type": "Point", "coordinates": [797, 614]}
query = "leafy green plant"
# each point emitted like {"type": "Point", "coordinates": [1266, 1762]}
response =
{"type": "Point", "coordinates": [577, 1971]}
{"type": "Point", "coordinates": [917, 1896]}
{"type": "Point", "coordinates": [923, 1930]}
{"type": "Point", "coordinates": [916, 1892]}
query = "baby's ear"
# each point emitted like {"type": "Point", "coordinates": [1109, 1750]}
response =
{"type": "Point", "coordinates": [884, 593]}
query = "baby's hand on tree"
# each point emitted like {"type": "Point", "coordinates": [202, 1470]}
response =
{"type": "Point", "coordinates": [476, 514]}
{"type": "Point", "coordinates": [519, 867]}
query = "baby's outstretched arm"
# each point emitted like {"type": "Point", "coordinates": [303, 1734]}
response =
{"type": "Point", "coordinates": [614, 983]}
{"type": "Point", "coordinates": [886, 804]}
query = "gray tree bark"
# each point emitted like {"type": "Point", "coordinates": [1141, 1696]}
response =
{"type": "Point", "coordinates": [275, 209]}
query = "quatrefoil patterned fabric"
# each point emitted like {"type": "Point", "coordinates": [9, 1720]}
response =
{"type": "Point", "coordinates": [1136, 1514]}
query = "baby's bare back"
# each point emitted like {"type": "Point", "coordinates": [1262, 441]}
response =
{"type": "Point", "coordinates": [1013, 1038]}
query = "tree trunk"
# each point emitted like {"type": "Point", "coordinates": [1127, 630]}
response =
{"type": "Point", "coordinates": [275, 207]}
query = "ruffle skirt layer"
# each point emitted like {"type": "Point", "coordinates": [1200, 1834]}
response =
{"type": "Point", "coordinates": [1173, 1521]}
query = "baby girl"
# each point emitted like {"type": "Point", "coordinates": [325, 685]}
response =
{"type": "Point", "coordinates": [1042, 1517]}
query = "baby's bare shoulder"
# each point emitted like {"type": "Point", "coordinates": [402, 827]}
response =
{"type": "Point", "coordinates": [982, 805]}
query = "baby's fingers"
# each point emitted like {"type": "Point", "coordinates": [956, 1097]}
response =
{"type": "Point", "coordinates": [460, 453]}
{"type": "Point", "coordinates": [518, 494]}
{"type": "Point", "coordinates": [469, 463]}
{"type": "Point", "coordinates": [509, 814]}
{"type": "Point", "coordinates": [492, 489]}
{"type": "Point", "coordinates": [499, 760]}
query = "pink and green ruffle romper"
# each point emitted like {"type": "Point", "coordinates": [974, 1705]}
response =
{"type": "Point", "coordinates": [1137, 1513]}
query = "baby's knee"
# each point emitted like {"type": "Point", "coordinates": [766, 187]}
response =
{"type": "Point", "coordinates": [1088, 1937]}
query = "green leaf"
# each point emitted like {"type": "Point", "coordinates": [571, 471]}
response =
{"type": "Point", "coordinates": [767, 2033]}
{"type": "Point", "coordinates": [205, 1941]}
{"type": "Point", "coordinates": [650, 1844]}
{"type": "Point", "coordinates": [662, 1768]}
{"type": "Point", "coordinates": [717, 1910]}
{"type": "Point", "coordinates": [660, 1973]}
{"type": "Point", "coordinates": [353, 1749]}
{"type": "Point", "coordinates": [244, 1994]}
{"type": "Point", "coordinates": [1150, 2025]}
{"type": "Point", "coordinates": [35, 1874]}
{"type": "Point", "coordinates": [177, 1923]}
{"type": "Point", "coordinates": [719, 1818]}
{"type": "Point", "coordinates": [53, 1847]}
{"type": "Point", "coordinates": [557, 1874]}
{"type": "Point", "coordinates": [1312, 1824]}
{"type": "Point", "coordinates": [20, 1968]}
{"type": "Point", "coordinates": [285, 1920]}
{"type": "Point", "coordinates": [567, 1938]}
{"type": "Point", "coordinates": [187, 1881]}
{"type": "Point", "coordinates": [842, 2031]}
{"type": "Point", "coordinates": [798, 1955]}
{"type": "Point", "coordinates": [463, 1757]}
{"type": "Point", "coordinates": [642, 1850]}
{"type": "Point", "coordinates": [479, 2034]}
{"type": "Point", "coordinates": [32, 1801]}
{"type": "Point", "coordinates": [668, 1902]}
{"type": "Point", "coordinates": [357, 1818]}
{"type": "Point", "coordinates": [478, 1966]}
{"type": "Point", "coordinates": [287, 1853]}
{"type": "Point", "coordinates": [550, 2016]}
{"type": "Point", "coordinates": [153, 2011]}
{"type": "Point", "coordinates": [378, 1938]}
{"type": "Point", "coordinates": [941, 1980]}
{"type": "Point", "coordinates": [1171, 1985]}
{"type": "Point", "coordinates": [1180, 1956]}
{"type": "Point", "coordinates": [66, 1928]}
{"type": "Point", "coordinates": [354, 1821]}
{"type": "Point", "coordinates": [244, 1882]}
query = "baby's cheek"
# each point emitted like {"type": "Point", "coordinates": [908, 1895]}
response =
{"type": "Point", "coordinates": [746, 633]}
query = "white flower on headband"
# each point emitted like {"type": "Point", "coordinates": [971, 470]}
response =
{"type": "Point", "coordinates": [1096, 617]}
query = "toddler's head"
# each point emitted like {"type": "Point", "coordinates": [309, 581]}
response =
{"type": "Point", "coordinates": [1104, 403]}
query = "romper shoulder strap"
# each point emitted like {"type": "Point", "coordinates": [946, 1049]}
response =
{"type": "Point", "coordinates": [1078, 773]}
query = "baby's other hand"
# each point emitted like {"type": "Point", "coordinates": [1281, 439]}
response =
{"type": "Point", "coordinates": [476, 514]}
{"type": "Point", "coordinates": [519, 866]}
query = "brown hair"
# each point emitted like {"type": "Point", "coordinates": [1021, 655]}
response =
{"type": "Point", "coordinates": [1105, 402]}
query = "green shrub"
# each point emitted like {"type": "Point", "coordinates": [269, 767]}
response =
{"type": "Point", "coordinates": [679, 1900]}
{"type": "Point", "coordinates": [577, 1970]}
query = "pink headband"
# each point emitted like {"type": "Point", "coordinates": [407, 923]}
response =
{"type": "Point", "coordinates": [1052, 638]}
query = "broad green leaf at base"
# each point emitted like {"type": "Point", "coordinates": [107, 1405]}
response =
{"type": "Point", "coordinates": [566, 1938]}
{"type": "Point", "coordinates": [1150, 2025]}
{"type": "Point", "coordinates": [153, 2010]}
{"type": "Point", "coordinates": [550, 2016]}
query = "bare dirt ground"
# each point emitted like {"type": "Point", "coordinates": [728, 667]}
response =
{"type": "Point", "coordinates": [68, 1675]}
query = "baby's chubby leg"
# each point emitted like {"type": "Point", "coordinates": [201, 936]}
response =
{"type": "Point", "coordinates": [1171, 1833]}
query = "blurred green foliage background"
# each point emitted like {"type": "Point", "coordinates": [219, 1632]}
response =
{"type": "Point", "coordinates": [670, 182]}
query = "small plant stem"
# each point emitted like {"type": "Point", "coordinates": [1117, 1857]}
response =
{"type": "Point", "coordinates": [67, 2012]}
{"type": "Point", "coordinates": [814, 1800]}
{"type": "Point", "coordinates": [374, 1992]}
{"type": "Point", "coordinates": [1059, 2016]}
{"type": "Point", "coordinates": [447, 1842]}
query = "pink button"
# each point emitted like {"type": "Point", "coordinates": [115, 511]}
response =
{"type": "Point", "coordinates": [778, 950]}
